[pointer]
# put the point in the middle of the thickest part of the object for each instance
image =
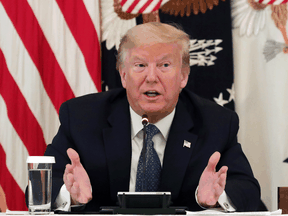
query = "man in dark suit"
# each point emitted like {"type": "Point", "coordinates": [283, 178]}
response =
{"type": "Point", "coordinates": [196, 145]}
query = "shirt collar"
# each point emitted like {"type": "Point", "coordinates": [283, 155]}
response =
{"type": "Point", "coordinates": [163, 125]}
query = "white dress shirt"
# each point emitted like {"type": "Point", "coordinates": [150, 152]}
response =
{"type": "Point", "coordinates": [159, 140]}
{"type": "Point", "coordinates": [63, 199]}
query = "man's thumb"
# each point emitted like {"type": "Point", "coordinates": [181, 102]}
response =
{"type": "Point", "coordinates": [74, 157]}
{"type": "Point", "coordinates": [213, 161]}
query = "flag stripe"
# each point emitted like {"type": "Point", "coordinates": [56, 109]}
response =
{"type": "Point", "coordinates": [138, 7]}
{"type": "Point", "coordinates": [123, 2]}
{"type": "Point", "coordinates": [157, 6]}
{"type": "Point", "coordinates": [85, 35]}
{"type": "Point", "coordinates": [145, 6]}
{"type": "Point", "coordinates": [132, 6]}
{"type": "Point", "coordinates": [27, 77]}
{"type": "Point", "coordinates": [18, 111]}
{"type": "Point", "coordinates": [62, 42]}
{"type": "Point", "coordinates": [10, 186]}
{"type": "Point", "coordinates": [92, 8]}
{"type": "Point", "coordinates": [53, 79]}
{"type": "Point", "coordinates": [126, 5]}
{"type": "Point", "coordinates": [152, 7]}
{"type": "Point", "coordinates": [274, 2]}
{"type": "Point", "coordinates": [16, 153]}
{"type": "Point", "coordinates": [271, 2]}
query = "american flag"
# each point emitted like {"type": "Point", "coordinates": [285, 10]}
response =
{"type": "Point", "coordinates": [49, 53]}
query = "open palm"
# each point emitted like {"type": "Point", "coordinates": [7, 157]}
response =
{"type": "Point", "coordinates": [77, 180]}
{"type": "Point", "coordinates": [211, 183]}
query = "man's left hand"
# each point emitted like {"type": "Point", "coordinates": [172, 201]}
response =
{"type": "Point", "coordinates": [211, 183]}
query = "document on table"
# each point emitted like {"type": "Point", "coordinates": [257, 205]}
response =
{"type": "Point", "coordinates": [216, 212]}
{"type": "Point", "coordinates": [8, 212]}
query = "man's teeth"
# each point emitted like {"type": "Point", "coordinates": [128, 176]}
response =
{"type": "Point", "coordinates": [152, 93]}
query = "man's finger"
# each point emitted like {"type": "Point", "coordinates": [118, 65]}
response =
{"type": "Point", "coordinates": [213, 161]}
{"type": "Point", "coordinates": [218, 192]}
{"type": "Point", "coordinates": [74, 157]}
{"type": "Point", "coordinates": [223, 169]}
{"type": "Point", "coordinates": [68, 181]}
{"type": "Point", "coordinates": [68, 169]}
{"type": "Point", "coordinates": [222, 180]}
{"type": "Point", "coordinates": [75, 189]}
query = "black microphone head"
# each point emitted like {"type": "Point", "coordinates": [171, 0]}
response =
{"type": "Point", "coordinates": [145, 119]}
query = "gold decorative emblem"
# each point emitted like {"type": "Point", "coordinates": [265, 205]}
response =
{"type": "Point", "coordinates": [186, 7]}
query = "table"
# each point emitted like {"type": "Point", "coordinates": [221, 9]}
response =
{"type": "Point", "coordinates": [201, 213]}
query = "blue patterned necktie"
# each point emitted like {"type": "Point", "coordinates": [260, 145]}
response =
{"type": "Point", "coordinates": [149, 179]}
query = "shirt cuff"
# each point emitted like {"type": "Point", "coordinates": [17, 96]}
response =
{"type": "Point", "coordinates": [224, 202]}
{"type": "Point", "coordinates": [63, 200]}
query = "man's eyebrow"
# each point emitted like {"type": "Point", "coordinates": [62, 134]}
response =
{"type": "Point", "coordinates": [161, 58]}
{"type": "Point", "coordinates": [170, 55]}
{"type": "Point", "coordinates": [135, 57]}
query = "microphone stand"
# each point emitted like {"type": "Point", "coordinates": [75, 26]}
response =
{"type": "Point", "coordinates": [145, 122]}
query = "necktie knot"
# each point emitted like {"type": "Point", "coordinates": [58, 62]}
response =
{"type": "Point", "coordinates": [151, 131]}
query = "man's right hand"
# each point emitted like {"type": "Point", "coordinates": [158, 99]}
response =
{"type": "Point", "coordinates": [77, 180]}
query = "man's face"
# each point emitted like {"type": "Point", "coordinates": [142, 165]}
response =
{"type": "Point", "coordinates": [153, 77]}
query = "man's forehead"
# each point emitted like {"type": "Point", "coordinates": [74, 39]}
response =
{"type": "Point", "coordinates": [160, 56]}
{"type": "Point", "coordinates": [159, 51]}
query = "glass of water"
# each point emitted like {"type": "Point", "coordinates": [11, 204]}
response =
{"type": "Point", "coordinates": [39, 184]}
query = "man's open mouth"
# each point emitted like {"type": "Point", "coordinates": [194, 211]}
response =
{"type": "Point", "coordinates": [152, 93]}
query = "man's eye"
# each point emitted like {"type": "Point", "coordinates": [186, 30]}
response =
{"type": "Point", "coordinates": [165, 65]}
{"type": "Point", "coordinates": [140, 65]}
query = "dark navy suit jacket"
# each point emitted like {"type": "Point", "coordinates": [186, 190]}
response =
{"type": "Point", "coordinates": [98, 127]}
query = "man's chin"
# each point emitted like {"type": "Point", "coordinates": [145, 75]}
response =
{"type": "Point", "coordinates": [152, 110]}
{"type": "Point", "coordinates": [155, 115]}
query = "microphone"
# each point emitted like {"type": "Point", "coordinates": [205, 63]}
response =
{"type": "Point", "coordinates": [145, 122]}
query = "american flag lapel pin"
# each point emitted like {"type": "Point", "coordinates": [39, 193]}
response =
{"type": "Point", "coordinates": [186, 144]}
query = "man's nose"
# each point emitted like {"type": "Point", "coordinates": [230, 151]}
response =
{"type": "Point", "coordinates": [152, 74]}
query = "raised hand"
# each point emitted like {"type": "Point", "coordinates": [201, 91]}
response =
{"type": "Point", "coordinates": [211, 183]}
{"type": "Point", "coordinates": [77, 180]}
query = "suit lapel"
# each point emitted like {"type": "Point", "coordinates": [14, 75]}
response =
{"type": "Point", "coordinates": [117, 141]}
{"type": "Point", "coordinates": [177, 156]}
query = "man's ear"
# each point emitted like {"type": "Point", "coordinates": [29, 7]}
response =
{"type": "Point", "coordinates": [184, 76]}
{"type": "Point", "coordinates": [123, 77]}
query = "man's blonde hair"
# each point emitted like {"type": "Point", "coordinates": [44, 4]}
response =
{"type": "Point", "coordinates": [151, 33]}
